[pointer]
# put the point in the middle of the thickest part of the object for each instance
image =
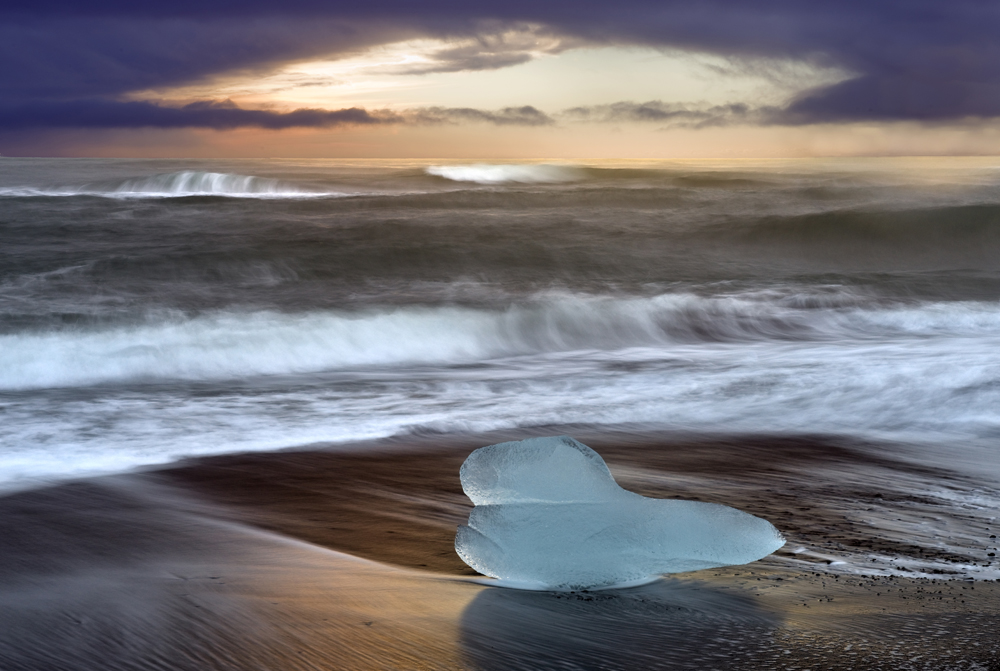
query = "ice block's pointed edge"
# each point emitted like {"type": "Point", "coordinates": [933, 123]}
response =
{"type": "Point", "coordinates": [779, 541]}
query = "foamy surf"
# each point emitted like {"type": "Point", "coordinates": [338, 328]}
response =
{"type": "Point", "coordinates": [224, 345]}
{"type": "Point", "coordinates": [486, 173]}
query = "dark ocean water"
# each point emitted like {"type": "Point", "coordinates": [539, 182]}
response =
{"type": "Point", "coordinates": [155, 309]}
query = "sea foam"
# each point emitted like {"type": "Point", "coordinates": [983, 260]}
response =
{"type": "Point", "coordinates": [230, 344]}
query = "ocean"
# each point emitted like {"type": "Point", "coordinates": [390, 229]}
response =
{"type": "Point", "coordinates": [157, 309]}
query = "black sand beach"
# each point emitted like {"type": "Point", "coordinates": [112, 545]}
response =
{"type": "Point", "coordinates": [319, 559]}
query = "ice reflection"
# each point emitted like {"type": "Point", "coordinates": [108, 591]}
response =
{"type": "Point", "coordinates": [660, 625]}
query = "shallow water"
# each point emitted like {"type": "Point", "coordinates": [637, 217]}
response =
{"type": "Point", "coordinates": [155, 309]}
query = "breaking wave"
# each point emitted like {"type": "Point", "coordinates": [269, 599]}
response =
{"type": "Point", "coordinates": [180, 184]}
{"type": "Point", "coordinates": [228, 345]}
{"type": "Point", "coordinates": [485, 173]}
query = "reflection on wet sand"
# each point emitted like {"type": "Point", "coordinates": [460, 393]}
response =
{"type": "Point", "coordinates": [106, 577]}
{"type": "Point", "coordinates": [666, 624]}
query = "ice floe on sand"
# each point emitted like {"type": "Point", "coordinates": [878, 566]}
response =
{"type": "Point", "coordinates": [549, 515]}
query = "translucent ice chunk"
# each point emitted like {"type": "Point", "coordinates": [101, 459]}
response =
{"type": "Point", "coordinates": [549, 515]}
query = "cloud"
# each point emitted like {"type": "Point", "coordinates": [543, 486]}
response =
{"type": "Point", "coordinates": [685, 115]}
{"type": "Point", "coordinates": [921, 60]}
{"type": "Point", "coordinates": [142, 114]}
{"type": "Point", "coordinates": [226, 115]}
{"type": "Point", "coordinates": [895, 97]}
{"type": "Point", "coordinates": [494, 47]}
{"type": "Point", "coordinates": [508, 116]}
{"type": "Point", "coordinates": [65, 58]}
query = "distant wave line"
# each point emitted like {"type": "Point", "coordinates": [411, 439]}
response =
{"type": "Point", "coordinates": [180, 184]}
{"type": "Point", "coordinates": [486, 173]}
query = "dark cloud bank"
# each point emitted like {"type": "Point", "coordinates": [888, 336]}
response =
{"type": "Point", "coordinates": [66, 64]}
{"type": "Point", "coordinates": [227, 116]}
{"type": "Point", "coordinates": [676, 114]}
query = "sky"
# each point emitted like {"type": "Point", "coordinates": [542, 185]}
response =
{"type": "Point", "coordinates": [518, 79]}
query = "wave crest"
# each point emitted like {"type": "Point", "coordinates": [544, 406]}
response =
{"type": "Point", "coordinates": [195, 183]}
{"type": "Point", "coordinates": [486, 173]}
{"type": "Point", "coordinates": [184, 183]}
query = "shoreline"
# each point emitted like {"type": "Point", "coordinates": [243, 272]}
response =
{"type": "Point", "coordinates": [311, 558]}
{"type": "Point", "coordinates": [839, 503]}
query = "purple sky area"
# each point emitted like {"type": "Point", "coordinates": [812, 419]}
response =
{"type": "Point", "coordinates": [72, 65]}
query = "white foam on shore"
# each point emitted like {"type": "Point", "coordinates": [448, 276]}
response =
{"type": "Point", "coordinates": [235, 381]}
{"type": "Point", "coordinates": [932, 391]}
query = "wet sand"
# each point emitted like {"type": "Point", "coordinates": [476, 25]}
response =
{"type": "Point", "coordinates": [317, 559]}
{"type": "Point", "coordinates": [835, 501]}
